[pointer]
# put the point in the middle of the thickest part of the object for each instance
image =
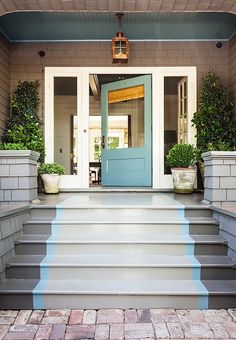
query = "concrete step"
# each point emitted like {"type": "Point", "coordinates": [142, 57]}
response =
{"type": "Point", "coordinates": [98, 294]}
{"type": "Point", "coordinates": [93, 267]}
{"type": "Point", "coordinates": [195, 226]}
{"type": "Point", "coordinates": [124, 244]}
{"type": "Point", "coordinates": [118, 213]}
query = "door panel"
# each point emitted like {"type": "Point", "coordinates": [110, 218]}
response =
{"type": "Point", "coordinates": [126, 130]}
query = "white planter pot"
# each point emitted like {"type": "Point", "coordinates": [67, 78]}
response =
{"type": "Point", "coordinates": [183, 180]}
{"type": "Point", "coordinates": [51, 183]}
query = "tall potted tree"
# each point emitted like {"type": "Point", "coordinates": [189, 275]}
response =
{"type": "Point", "coordinates": [23, 125]}
{"type": "Point", "coordinates": [213, 120]}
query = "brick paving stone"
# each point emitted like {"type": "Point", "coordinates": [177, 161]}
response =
{"type": "Point", "coordinates": [22, 317]}
{"type": "Point", "coordinates": [76, 316]}
{"type": "Point", "coordinates": [138, 330]}
{"type": "Point", "coordinates": [36, 317]}
{"type": "Point", "coordinates": [43, 332]}
{"type": "Point", "coordinates": [164, 315]}
{"type": "Point", "coordinates": [6, 320]}
{"type": "Point", "coordinates": [197, 330]}
{"type": "Point", "coordinates": [117, 331]}
{"type": "Point", "coordinates": [80, 332]}
{"type": "Point", "coordinates": [230, 327]}
{"type": "Point", "coordinates": [216, 315]}
{"type": "Point", "coordinates": [161, 330]}
{"type": "Point", "coordinates": [58, 332]}
{"type": "Point", "coordinates": [9, 313]}
{"type": "Point", "coordinates": [110, 316]}
{"type": "Point", "coordinates": [56, 316]}
{"type": "Point", "coordinates": [193, 315]}
{"type": "Point", "coordinates": [175, 330]}
{"type": "Point", "coordinates": [131, 316]}
{"type": "Point", "coordinates": [19, 336]}
{"type": "Point", "coordinates": [232, 313]}
{"type": "Point", "coordinates": [24, 328]}
{"type": "Point", "coordinates": [58, 312]}
{"type": "Point", "coordinates": [218, 330]}
{"type": "Point", "coordinates": [102, 332]}
{"type": "Point", "coordinates": [3, 331]}
{"type": "Point", "coordinates": [143, 315]}
{"type": "Point", "coordinates": [89, 317]}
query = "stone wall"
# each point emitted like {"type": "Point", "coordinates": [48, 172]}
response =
{"type": "Point", "coordinates": [11, 221]}
{"type": "Point", "coordinates": [220, 178]}
{"type": "Point", "coordinates": [227, 220]}
{"type": "Point", "coordinates": [4, 81]}
{"type": "Point", "coordinates": [18, 176]}
{"type": "Point", "coordinates": [26, 64]}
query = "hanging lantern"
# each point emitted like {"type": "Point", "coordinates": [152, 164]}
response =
{"type": "Point", "coordinates": [120, 45]}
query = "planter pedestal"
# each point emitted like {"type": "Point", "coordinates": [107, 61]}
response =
{"type": "Point", "coordinates": [220, 178]}
{"type": "Point", "coordinates": [18, 176]}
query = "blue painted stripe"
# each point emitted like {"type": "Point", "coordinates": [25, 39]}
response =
{"type": "Point", "coordinates": [38, 300]}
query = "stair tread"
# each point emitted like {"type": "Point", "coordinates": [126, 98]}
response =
{"type": "Point", "coordinates": [121, 260]}
{"type": "Point", "coordinates": [167, 220]}
{"type": "Point", "coordinates": [122, 238]}
{"type": "Point", "coordinates": [134, 287]}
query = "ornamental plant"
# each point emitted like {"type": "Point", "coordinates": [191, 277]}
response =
{"type": "Point", "coordinates": [182, 155]}
{"type": "Point", "coordinates": [213, 120]}
{"type": "Point", "coordinates": [12, 146]}
{"type": "Point", "coordinates": [23, 126]}
{"type": "Point", "coordinates": [51, 168]}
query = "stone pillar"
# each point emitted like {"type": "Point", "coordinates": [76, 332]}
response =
{"type": "Point", "coordinates": [220, 178]}
{"type": "Point", "coordinates": [18, 176]}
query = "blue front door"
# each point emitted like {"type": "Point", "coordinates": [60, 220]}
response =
{"type": "Point", "coordinates": [126, 132]}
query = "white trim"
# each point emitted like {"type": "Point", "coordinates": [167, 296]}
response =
{"type": "Point", "coordinates": [160, 181]}
{"type": "Point", "coordinates": [109, 40]}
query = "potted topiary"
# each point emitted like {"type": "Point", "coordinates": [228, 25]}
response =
{"type": "Point", "coordinates": [182, 158]}
{"type": "Point", "coordinates": [51, 174]}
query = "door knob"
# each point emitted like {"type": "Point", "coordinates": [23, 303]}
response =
{"type": "Point", "coordinates": [84, 130]}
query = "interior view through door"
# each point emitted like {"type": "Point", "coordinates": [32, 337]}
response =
{"type": "Point", "coordinates": [120, 130]}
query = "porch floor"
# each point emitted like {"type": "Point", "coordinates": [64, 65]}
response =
{"type": "Point", "coordinates": [134, 198]}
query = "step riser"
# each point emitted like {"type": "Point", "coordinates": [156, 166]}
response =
{"type": "Point", "coordinates": [120, 249]}
{"type": "Point", "coordinates": [156, 229]}
{"type": "Point", "coordinates": [115, 214]}
{"type": "Point", "coordinates": [93, 273]}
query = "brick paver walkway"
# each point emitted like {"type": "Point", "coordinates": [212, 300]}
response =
{"type": "Point", "coordinates": [118, 324]}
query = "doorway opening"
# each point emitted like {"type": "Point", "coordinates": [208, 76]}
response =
{"type": "Point", "coordinates": [117, 123]}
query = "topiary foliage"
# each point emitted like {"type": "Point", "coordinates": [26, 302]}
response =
{"type": "Point", "coordinates": [23, 126]}
{"type": "Point", "coordinates": [213, 120]}
{"type": "Point", "coordinates": [51, 168]}
{"type": "Point", "coordinates": [182, 155]}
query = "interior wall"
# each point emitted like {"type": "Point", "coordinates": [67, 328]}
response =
{"type": "Point", "coordinates": [232, 71]}
{"type": "Point", "coordinates": [64, 109]}
{"type": "Point", "coordinates": [26, 64]}
{"type": "Point", "coordinates": [4, 82]}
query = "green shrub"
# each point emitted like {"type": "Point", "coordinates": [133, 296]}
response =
{"type": "Point", "coordinates": [12, 146]}
{"type": "Point", "coordinates": [213, 120]}
{"type": "Point", "coordinates": [182, 155]}
{"type": "Point", "coordinates": [51, 168]}
{"type": "Point", "coordinates": [23, 125]}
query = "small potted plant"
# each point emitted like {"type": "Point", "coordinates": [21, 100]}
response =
{"type": "Point", "coordinates": [182, 159]}
{"type": "Point", "coordinates": [51, 174]}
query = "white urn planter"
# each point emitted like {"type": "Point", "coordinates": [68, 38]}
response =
{"type": "Point", "coordinates": [51, 183]}
{"type": "Point", "coordinates": [183, 180]}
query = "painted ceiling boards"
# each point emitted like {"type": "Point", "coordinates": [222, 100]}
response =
{"type": "Point", "coordinates": [77, 26]}
{"type": "Point", "coordinates": [229, 6]}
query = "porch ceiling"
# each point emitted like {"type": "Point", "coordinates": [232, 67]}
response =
{"type": "Point", "coordinates": [65, 26]}
{"type": "Point", "coordinates": [7, 6]}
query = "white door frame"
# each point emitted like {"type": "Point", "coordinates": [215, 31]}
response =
{"type": "Point", "coordinates": [81, 180]}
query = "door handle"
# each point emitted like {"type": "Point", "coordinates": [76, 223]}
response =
{"type": "Point", "coordinates": [103, 142]}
